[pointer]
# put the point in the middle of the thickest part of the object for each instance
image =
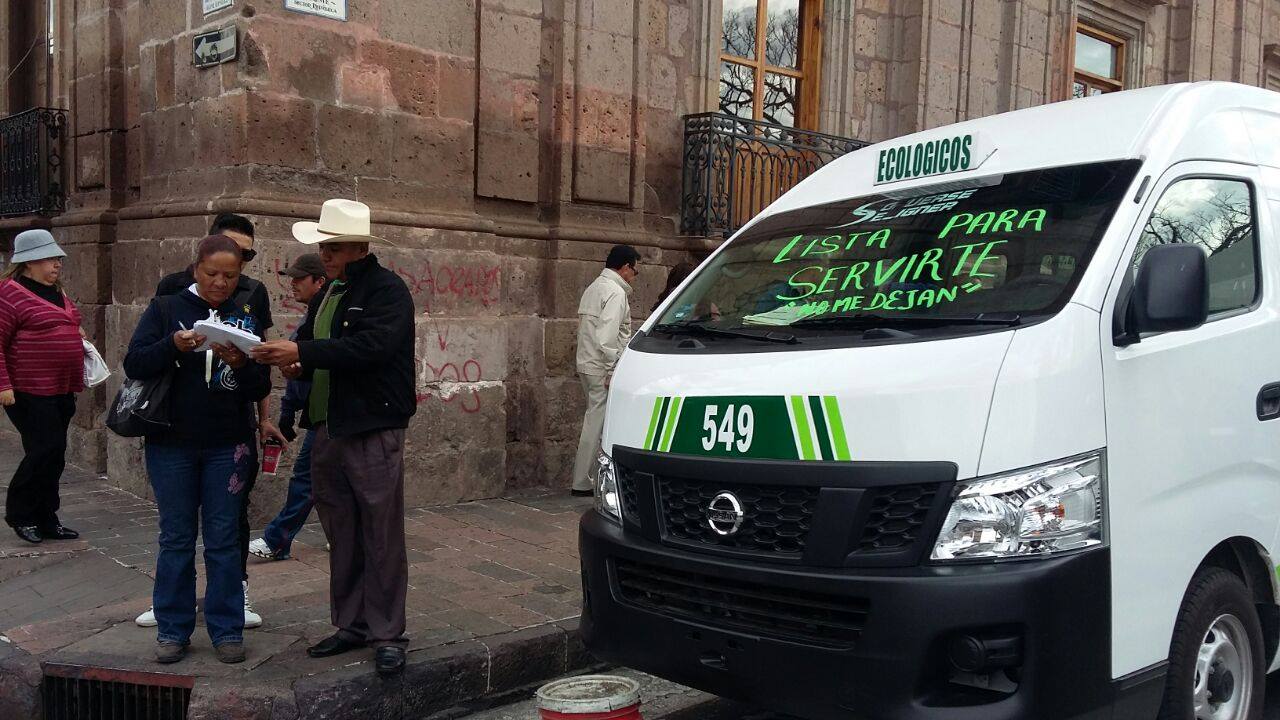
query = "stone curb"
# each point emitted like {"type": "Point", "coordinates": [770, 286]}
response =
{"type": "Point", "coordinates": [20, 677]}
{"type": "Point", "coordinates": [435, 680]}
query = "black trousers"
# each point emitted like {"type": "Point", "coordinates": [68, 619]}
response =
{"type": "Point", "coordinates": [42, 421]}
{"type": "Point", "coordinates": [358, 485]}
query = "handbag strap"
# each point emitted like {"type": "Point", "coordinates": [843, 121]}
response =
{"type": "Point", "coordinates": [244, 294]}
{"type": "Point", "coordinates": [164, 305]}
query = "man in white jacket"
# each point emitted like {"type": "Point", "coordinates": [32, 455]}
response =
{"type": "Point", "coordinates": [604, 327]}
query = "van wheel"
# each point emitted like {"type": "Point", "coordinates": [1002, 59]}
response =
{"type": "Point", "coordinates": [1216, 658]}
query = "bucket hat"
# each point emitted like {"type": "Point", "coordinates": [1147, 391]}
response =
{"type": "Point", "coordinates": [340, 221]}
{"type": "Point", "coordinates": [32, 245]}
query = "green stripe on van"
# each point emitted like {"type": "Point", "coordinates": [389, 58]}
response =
{"type": "Point", "coordinates": [662, 420]}
{"type": "Point", "coordinates": [803, 436]}
{"type": "Point", "coordinates": [836, 422]}
{"type": "Point", "coordinates": [653, 423]}
{"type": "Point", "coordinates": [820, 428]}
{"type": "Point", "coordinates": [673, 419]}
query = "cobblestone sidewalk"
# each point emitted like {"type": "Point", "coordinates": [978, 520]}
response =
{"type": "Point", "coordinates": [494, 586]}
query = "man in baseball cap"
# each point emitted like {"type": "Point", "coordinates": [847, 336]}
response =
{"type": "Point", "coordinates": [307, 277]}
{"type": "Point", "coordinates": [306, 266]}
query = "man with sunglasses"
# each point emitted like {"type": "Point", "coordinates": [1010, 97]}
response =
{"type": "Point", "coordinates": [253, 313]}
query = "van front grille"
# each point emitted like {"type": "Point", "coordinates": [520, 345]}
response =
{"type": "Point", "coordinates": [776, 521]}
{"type": "Point", "coordinates": [787, 614]}
{"type": "Point", "coordinates": [897, 518]}
{"type": "Point", "coordinates": [630, 496]}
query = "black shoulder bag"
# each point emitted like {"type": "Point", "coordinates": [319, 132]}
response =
{"type": "Point", "coordinates": [141, 407]}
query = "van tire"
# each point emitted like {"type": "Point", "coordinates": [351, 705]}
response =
{"type": "Point", "coordinates": [1219, 599]}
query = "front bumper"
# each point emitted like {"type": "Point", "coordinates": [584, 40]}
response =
{"type": "Point", "coordinates": [898, 667]}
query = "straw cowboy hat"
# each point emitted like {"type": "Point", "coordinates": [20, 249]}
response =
{"type": "Point", "coordinates": [340, 221]}
{"type": "Point", "coordinates": [33, 245]}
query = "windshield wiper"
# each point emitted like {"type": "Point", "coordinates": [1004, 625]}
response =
{"type": "Point", "coordinates": [700, 329]}
{"type": "Point", "coordinates": [868, 321]}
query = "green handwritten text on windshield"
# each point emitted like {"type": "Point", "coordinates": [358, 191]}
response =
{"type": "Point", "coordinates": [965, 263]}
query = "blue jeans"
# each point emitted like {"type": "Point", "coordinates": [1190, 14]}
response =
{"type": "Point", "coordinates": [198, 485]}
{"type": "Point", "coordinates": [280, 533]}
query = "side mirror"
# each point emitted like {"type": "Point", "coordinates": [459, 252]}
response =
{"type": "Point", "coordinates": [1170, 293]}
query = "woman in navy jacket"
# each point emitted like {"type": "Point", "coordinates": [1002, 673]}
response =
{"type": "Point", "coordinates": [198, 465]}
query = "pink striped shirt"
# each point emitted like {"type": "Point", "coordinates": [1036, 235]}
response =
{"type": "Point", "coordinates": [39, 344]}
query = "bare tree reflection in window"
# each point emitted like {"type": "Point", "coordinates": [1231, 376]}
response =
{"type": "Point", "coordinates": [737, 90]}
{"type": "Point", "coordinates": [781, 103]}
{"type": "Point", "coordinates": [739, 28]}
{"type": "Point", "coordinates": [782, 34]}
{"type": "Point", "coordinates": [1217, 215]}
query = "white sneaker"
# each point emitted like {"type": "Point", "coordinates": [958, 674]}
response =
{"type": "Point", "coordinates": [146, 619]}
{"type": "Point", "coordinates": [260, 548]}
{"type": "Point", "coordinates": [251, 618]}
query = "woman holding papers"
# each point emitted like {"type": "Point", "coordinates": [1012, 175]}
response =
{"type": "Point", "coordinates": [199, 464]}
{"type": "Point", "coordinates": [41, 370]}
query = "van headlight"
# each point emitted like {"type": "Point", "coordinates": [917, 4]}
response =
{"type": "Point", "coordinates": [607, 488]}
{"type": "Point", "coordinates": [1052, 508]}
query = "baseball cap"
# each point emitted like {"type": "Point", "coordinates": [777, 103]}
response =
{"type": "Point", "coordinates": [308, 265]}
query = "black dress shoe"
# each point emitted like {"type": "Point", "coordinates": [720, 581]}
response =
{"type": "Point", "coordinates": [333, 645]}
{"type": "Point", "coordinates": [389, 660]}
{"type": "Point", "coordinates": [30, 533]}
{"type": "Point", "coordinates": [58, 532]}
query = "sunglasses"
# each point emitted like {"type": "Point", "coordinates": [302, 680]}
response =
{"type": "Point", "coordinates": [247, 255]}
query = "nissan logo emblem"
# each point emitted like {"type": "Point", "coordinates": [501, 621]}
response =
{"type": "Point", "coordinates": [725, 515]}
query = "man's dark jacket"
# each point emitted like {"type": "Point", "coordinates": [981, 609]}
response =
{"type": "Point", "coordinates": [369, 354]}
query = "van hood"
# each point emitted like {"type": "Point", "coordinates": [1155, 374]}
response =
{"type": "Point", "coordinates": [925, 401]}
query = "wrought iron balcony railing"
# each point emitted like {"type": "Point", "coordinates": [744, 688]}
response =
{"type": "Point", "coordinates": [31, 168]}
{"type": "Point", "coordinates": [733, 168]}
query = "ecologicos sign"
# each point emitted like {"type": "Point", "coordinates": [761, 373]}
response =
{"type": "Point", "coordinates": [939, 156]}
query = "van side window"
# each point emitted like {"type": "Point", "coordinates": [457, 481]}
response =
{"type": "Point", "coordinates": [1216, 214]}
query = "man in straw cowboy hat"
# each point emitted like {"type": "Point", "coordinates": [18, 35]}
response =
{"type": "Point", "coordinates": [356, 347]}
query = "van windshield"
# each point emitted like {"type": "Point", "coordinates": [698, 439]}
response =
{"type": "Point", "coordinates": [1001, 251]}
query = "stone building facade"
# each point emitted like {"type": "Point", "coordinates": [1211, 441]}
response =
{"type": "Point", "coordinates": [505, 145]}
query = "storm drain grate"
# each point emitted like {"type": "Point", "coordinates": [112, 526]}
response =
{"type": "Point", "coordinates": [74, 692]}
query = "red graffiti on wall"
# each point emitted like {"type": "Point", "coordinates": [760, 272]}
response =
{"type": "Point", "coordinates": [465, 372]}
{"type": "Point", "coordinates": [469, 372]}
{"type": "Point", "coordinates": [429, 283]}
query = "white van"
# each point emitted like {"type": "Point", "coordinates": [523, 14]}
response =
{"type": "Point", "coordinates": [975, 423]}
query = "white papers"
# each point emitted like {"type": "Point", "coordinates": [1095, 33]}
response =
{"type": "Point", "coordinates": [782, 315]}
{"type": "Point", "coordinates": [217, 333]}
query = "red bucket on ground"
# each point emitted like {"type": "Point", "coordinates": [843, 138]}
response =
{"type": "Point", "coordinates": [590, 697]}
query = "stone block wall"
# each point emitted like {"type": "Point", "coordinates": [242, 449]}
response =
{"type": "Point", "coordinates": [891, 67]}
{"type": "Point", "coordinates": [504, 145]}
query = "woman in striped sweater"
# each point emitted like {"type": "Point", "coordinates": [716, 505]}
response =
{"type": "Point", "coordinates": [41, 370]}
